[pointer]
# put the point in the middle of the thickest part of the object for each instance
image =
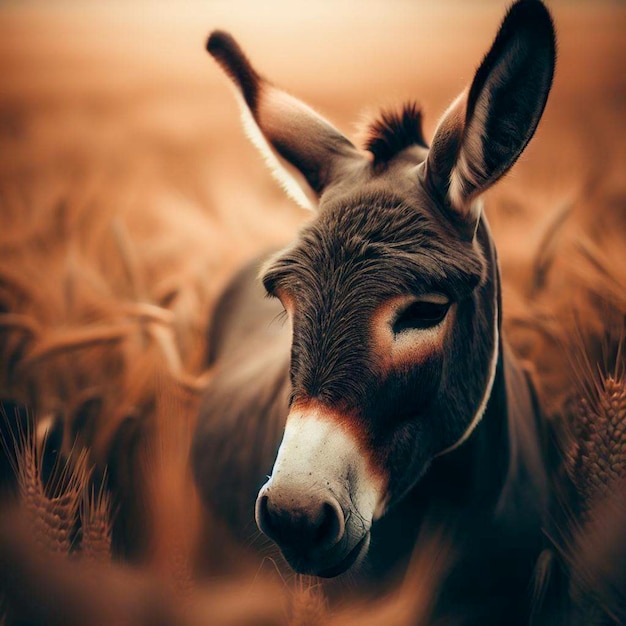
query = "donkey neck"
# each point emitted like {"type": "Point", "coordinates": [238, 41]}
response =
{"type": "Point", "coordinates": [499, 469]}
{"type": "Point", "coordinates": [474, 472]}
{"type": "Point", "coordinates": [494, 479]}
{"type": "Point", "coordinates": [480, 463]}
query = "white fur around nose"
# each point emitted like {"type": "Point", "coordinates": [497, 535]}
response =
{"type": "Point", "coordinates": [317, 454]}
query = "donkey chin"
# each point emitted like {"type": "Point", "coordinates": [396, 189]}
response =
{"type": "Point", "coordinates": [321, 499]}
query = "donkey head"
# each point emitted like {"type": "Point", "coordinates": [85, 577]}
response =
{"type": "Point", "coordinates": [392, 301]}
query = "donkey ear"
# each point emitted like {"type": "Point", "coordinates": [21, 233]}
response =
{"type": "Point", "coordinates": [488, 126]}
{"type": "Point", "coordinates": [303, 149]}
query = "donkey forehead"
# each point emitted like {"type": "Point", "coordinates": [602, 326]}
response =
{"type": "Point", "coordinates": [401, 243]}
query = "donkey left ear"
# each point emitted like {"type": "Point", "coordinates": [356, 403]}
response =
{"type": "Point", "coordinates": [486, 128]}
{"type": "Point", "coordinates": [304, 151]}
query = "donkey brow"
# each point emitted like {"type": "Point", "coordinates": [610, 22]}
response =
{"type": "Point", "coordinates": [433, 297]}
{"type": "Point", "coordinates": [415, 281]}
{"type": "Point", "coordinates": [430, 269]}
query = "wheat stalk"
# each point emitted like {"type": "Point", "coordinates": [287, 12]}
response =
{"type": "Point", "coordinates": [171, 496]}
{"type": "Point", "coordinates": [67, 341]}
{"type": "Point", "coordinates": [309, 606]}
{"type": "Point", "coordinates": [548, 249]}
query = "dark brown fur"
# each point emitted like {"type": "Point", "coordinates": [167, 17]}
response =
{"type": "Point", "coordinates": [393, 131]}
{"type": "Point", "coordinates": [383, 230]}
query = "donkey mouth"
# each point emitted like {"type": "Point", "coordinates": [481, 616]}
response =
{"type": "Point", "coordinates": [303, 566]}
{"type": "Point", "coordinates": [356, 554]}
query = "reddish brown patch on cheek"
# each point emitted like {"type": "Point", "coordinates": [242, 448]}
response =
{"type": "Point", "coordinates": [409, 349]}
{"type": "Point", "coordinates": [351, 422]}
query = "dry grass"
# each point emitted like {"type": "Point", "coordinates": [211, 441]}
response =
{"type": "Point", "coordinates": [128, 195]}
{"type": "Point", "coordinates": [580, 579]}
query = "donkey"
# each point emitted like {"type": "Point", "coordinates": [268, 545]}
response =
{"type": "Point", "coordinates": [391, 384]}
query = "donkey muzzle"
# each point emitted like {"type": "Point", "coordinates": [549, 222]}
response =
{"type": "Point", "coordinates": [319, 503]}
{"type": "Point", "coordinates": [307, 527]}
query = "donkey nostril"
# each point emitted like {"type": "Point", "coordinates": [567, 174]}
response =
{"type": "Point", "coordinates": [263, 518]}
{"type": "Point", "coordinates": [331, 527]}
{"type": "Point", "coordinates": [300, 524]}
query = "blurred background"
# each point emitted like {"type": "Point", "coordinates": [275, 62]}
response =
{"type": "Point", "coordinates": [129, 195]}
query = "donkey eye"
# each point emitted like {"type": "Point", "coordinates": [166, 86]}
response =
{"type": "Point", "coordinates": [421, 315]}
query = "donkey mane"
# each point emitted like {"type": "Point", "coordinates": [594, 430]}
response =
{"type": "Point", "coordinates": [395, 130]}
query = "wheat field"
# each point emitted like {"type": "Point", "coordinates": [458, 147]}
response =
{"type": "Point", "coordinates": [128, 197]}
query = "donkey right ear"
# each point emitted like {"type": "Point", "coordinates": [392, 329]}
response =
{"type": "Point", "coordinates": [488, 126]}
{"type": "Point", "coordinates": [302, 148]}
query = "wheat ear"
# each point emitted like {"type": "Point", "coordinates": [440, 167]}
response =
{"type": "Point", "coordinates": [598, 459]}
{"type": "Point", "coordinates": [95, 517]}
{"type": "Point", "coordinates": [52, 517]}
